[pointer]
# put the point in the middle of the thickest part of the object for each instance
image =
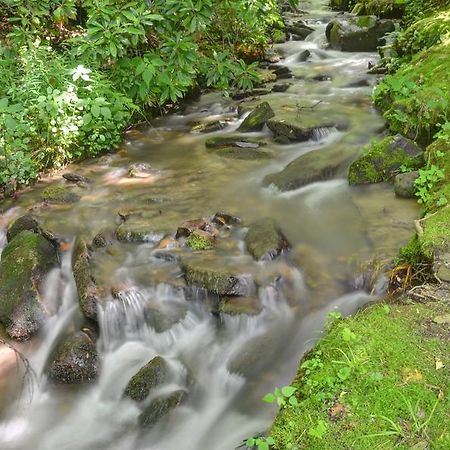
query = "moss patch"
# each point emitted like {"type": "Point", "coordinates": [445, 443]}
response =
{"type": "Point", "coordinates": [375, 381]}
{"type": "Point", "coordinates": [59, 194]}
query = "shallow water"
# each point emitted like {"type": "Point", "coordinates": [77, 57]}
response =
{"type": "Point", "coordinates": [226, 363]}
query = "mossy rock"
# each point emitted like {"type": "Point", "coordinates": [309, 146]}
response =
{"type": "Point", "coordinates": [26, 222]}
{"type": "Point", "coordinates": [160, 407]}
{"type": "Point", "coordinates": [162, 319]}
{"type": "Point", "coordinates": [314, 166]}
{"type": "Point", "coordinates": [75, 361]}
{"type": "Point", "coordinates": [246, 154]}
{"type": "Point", "coordinates": [200, 240]}
{"type": "Point", "coordinates": [383, 160]}
{"type": "Point", "coordinates": [200, 273]}
{"type": "Point", "coordinates": [236, 306]}
{"type": "Point", "coordinates": [88, 292]}
{"type": "Point", "coordinates": [25, 262]}
{"type": "Point", "coordinates": [237, 141]}
{"type": "Point", "coordinates": [257, 118]}
{"type": "Point", "coordinates": [59, 194]}
{"type": "Point", "coordinates": [265, 241]}
{"type": "Point", "coordinates": [138, 229]}
{"type": "Point", "coordinates": [357, 33]}
{"type": "Point", "coordinates": [152, 375]}
{"type": "Point", "coordinates": [404, 184]}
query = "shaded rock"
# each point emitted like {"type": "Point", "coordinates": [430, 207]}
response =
{"type": "Point", "coordinates": [88, 292]}
{"type": "Point", "coordinates": [209, 127]}
{"type": "Point", "coordinates": [75, 178]}
{"type": "Point", "coordinates": [311, 167]}
{"type": "Point", "coordinates": [357, 33]}
{"type": "Point", "coordinates": [161, 319]}
{"type": "Point", "coordinates": [160, 407]}
{"type": "Point", "coordinates": [59, 194]}
{"type": "Point", "coordinates": [26, 222]}
{"type": "Point", "coordinates": [152, 375]}
{"type": "Point", "coordinates": [25, 262]}
{"type": "Point", "coordinates": [358, 83]}
{"type": "Point", "coordinates": [257, 118]}
{"type": "Point", "coordinates": [234, 306]}
{"type": "Point", "coordinates": [189, 226]}
{"type": "Point", "coordinates": [382, 160]}
{"type": "Point", "coordinates": [103, 239]}
{"type": "Point", "coordinates": [221, 218]}
{"type": "Point", "coordinates": [75, 361]}
{"type": "Point", "coordinates": [215, 279]}
{"type": "Point", "coordinates": [241, 95]}
{"type": "Point", "coordinates": [265, 241]}
{"type": "Point", "coordinates": [300, 31]}
{"type": "Point", "coordinates": [281, 87]}
{"type": "Point", "coordinates": [404, 184]}
{"type": "Point", "coordinates": [233, 141]}
{"type": "Point", "coordinates": [303, 56]}
{"type": "Point", "coordinates": [321, 77]}
{"type": "Point", "coordinates": [281, 71]}
{"type": "Point", "coordinates": [141, 170]}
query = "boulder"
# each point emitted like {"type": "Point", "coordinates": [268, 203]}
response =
{"type": "Point", "coordinates": [300, 31]}
{"type": "Point", "coordinates": [265, 241]}
{"type": "Point", "coordinates": [303, 56]}
{"type": "Point", "coordinates": [222, 219]}
{"type": "Point", "coordinates": [75, 361]}
{"type": "Point", "coordinates": [281, 87]}
{"type": "Point", "coordinates": [162, 319]}
{"type": "Point", "coordinates": [357, 33]}
{"type": "Point", "coordinates": [404, 184]}
{"type": "Point", "coordinates": [152, 375]}
{"type": "Point", "coordinates": [235, 306]}
{"type": "Point", "coordinates": [141, 170]}
{"type": "Point", "coordinates": [25, 261]}
{"type": "Point", "coordinates": [281, 72]}
{"type": "Point", "coordinates": [220, 281]}
{"type": "Point", "coordinates": [382, 160]}
{"type": "Point", "coordinates": [75, 178]}
{"type": "Point", "coordinates": [138, 228]}
{"type": "Point", "coordinates": [314, 166]}
{"type": "Point", "coordinates": [257, 118]}
{"type": "Point", "coordinates": [160, 407]}
{"type": "Point", "coordinates": [88, 292]}
{"type": "Point", "coordinates": [208, 127]}
{"type": "Point", "coordinates": [26, 222]}
{"type": "Point", "coordinates": [59, 195]}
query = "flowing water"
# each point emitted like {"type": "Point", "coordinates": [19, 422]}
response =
{"type": "Point", "coordinates": [226, 363]}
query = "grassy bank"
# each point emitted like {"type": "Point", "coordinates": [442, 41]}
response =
{"type": "Point", "coordinates": [75, 73]}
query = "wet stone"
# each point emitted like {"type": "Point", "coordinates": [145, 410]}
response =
{"type": "Point", "coordinates": [404, 184]}
{"type": "Point", "coordinates": [141, 170]}
{"type": "Point", "coordinates": [257, 118]}
{"type": "Point", "coordinates": [75, 178]}
{"type": "Point", "coordinates": [241, 95]}
{"type": "Point", "coordinates": [235, 306]}
{"type": "Point", "coordinates": [209, 127]}
{"type": "Point", "coordinates": [152, 375]}
{"type": "Point", "coordinates": [59, 195]}
{"type": "Point", "coordinates": [303, 56]}
{"type": "Point", "coordinates": [281, 87]}
{"type": "Point", "coordinates": [221, 219]}
{"type": "Point", "coordinates": [237, 141]}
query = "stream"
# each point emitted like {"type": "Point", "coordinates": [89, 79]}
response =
{"type": "Point", "coordinates": [226, 363]}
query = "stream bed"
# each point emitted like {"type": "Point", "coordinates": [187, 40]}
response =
{"type": "Point", "coordinates": [225, 362]}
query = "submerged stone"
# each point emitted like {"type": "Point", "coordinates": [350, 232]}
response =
{"type": "Point", "coordinates": [247, 154]}
{"type": "Point", "coordinates": [383, 160]}
{"type": "Point", "coordinates": [75, 178]}
{"type": "Point", "coordinates": [237, 141]}
{"type": "Point", "coordinates": [25, 262]}
{"type": "Point", "coordinates": [257, 118]}
{"type": "Point", "coordinates": [314, 166]}
{"type": "Point", "coordinates": [160, 407]}
{"type": "Point", "coordinates": [152, 375]}
{"type": "Point", "coordinates": [59, 194]}
{"type": "Point", "coordinates": [235, 306]}
{"type": "Point", "coordinates": [209, 127]}
{"type": "Point", "coordinates": [357, 33]}
{"type": "Point", "coordinates": [75, 361]}
{"type": "Point", "coordinates": [265, 241]}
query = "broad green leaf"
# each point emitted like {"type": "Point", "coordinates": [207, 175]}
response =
{"type": "Point", "coordinates": [287, 391]}
{"type": "Point", "coordinates": [269, 398]}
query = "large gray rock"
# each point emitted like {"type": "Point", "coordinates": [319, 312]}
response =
{"type": "Point", "coordinates": [152, 375]}
{"type": "Point", "coordinates": [265, 241]}
{"type": "Point", "coordinates": [75, 361]}
{"type": "Point", "coordinates": [160, 407]}
{"type": "Point", "coordinates": [314, 166]}
{"type": "Point", "coordinates": [404, 184]}
{"type": "Point", "coordinates": [357, 33]}
{"type": "Point", "coordinates": [257, 118]}
{"type": "Point", "coordinates": [25, 262]}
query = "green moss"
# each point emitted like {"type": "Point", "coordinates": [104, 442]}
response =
{"type": "Point", "coordinates": [199, 242]}
{"type": "Point", "coordinates": [278, 36]}
{"type": "Point", "coordinates": [59, 194]}
{"type": "Point", "coordinates": [257, 118]}
{"type": "Point", "coordinates": [380, 162]}
{"type": "Point", "coordinates": [369, 386]}
{"type": "Point", "coordinates": [436, 231]}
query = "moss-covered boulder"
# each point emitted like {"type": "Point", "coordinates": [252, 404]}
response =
{"type": "Point", "coordinates": [25, 262]}
{"type": "Point", "coordinates": [75, 360]}
{"type": "Point", "coordinates": [237, 141]}
{"type": "Point", "coordinates": [26, 222]}
{"type": "Point", "coordinates": [299, 30]}
{"type": "Point", "coordinates": [265, 241]}
{"type": "Point", "coordinates": [160, 407]}
{"type": "Point", "coordinates": [201, 273]}
{"type": "Point", "coordinates": [153, 374]}
{"type": "Point", "coordinates": [357, 33]}
{"type": "Point", "coordinates": [138, 228]}
{"type": "Point", "coordinates": [200, 240]}
{"type": "Point", "coordinates": [88, 292]}
{"type": "Point", "coordinates": [404, 184]}
{"type": "Point", "coordinates": [311, 167]}
{"type": "Point", "coordinates": [257, 118]}
{"type": "Point", "coordinates": [243, 153]}
{"type": "Point", "coordinates": [383, 160]}
{"type": "Point", "coordinates": [59, 194]}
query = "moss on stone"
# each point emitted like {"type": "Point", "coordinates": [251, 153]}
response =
{"type": "Point", "coordinates": [257, 118]}
{"type": "Point", "coordinates": [153, 374]}
{"type": "Point", "coordinates": [160, 407]}
{"type": "Point", "coordinates": [59, 194]}
{"type": "Point", "coordinates": [197, 241]}
{"type": "Point", "coordinates": [26, 222]}
{"type": "Point", "coordinates": [382, 160]}
{"type": "Point", "coordinates": [24, 263]}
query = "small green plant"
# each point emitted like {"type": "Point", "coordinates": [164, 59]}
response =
{"type": "Point", "coordinates": [319, 430]}
{"type": "Point", "coordinates": [426, 182]}
{"type": "Point", "coordinates": [261, 442]}
{"type": "Point", "coordinates": [283, 397]}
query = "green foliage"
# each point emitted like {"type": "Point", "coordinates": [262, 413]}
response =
{"type": "Point", "coordinates": [426, 182]}
{"type": "Point", "coordinates": [261, 443]}
{"type": "Point", "coordinates": [283, 397]}
{"type": "Point", "coordinates": [198, 242]}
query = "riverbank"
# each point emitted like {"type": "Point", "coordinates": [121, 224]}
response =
{"type": "Point", "coordinates": [381, 379]}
